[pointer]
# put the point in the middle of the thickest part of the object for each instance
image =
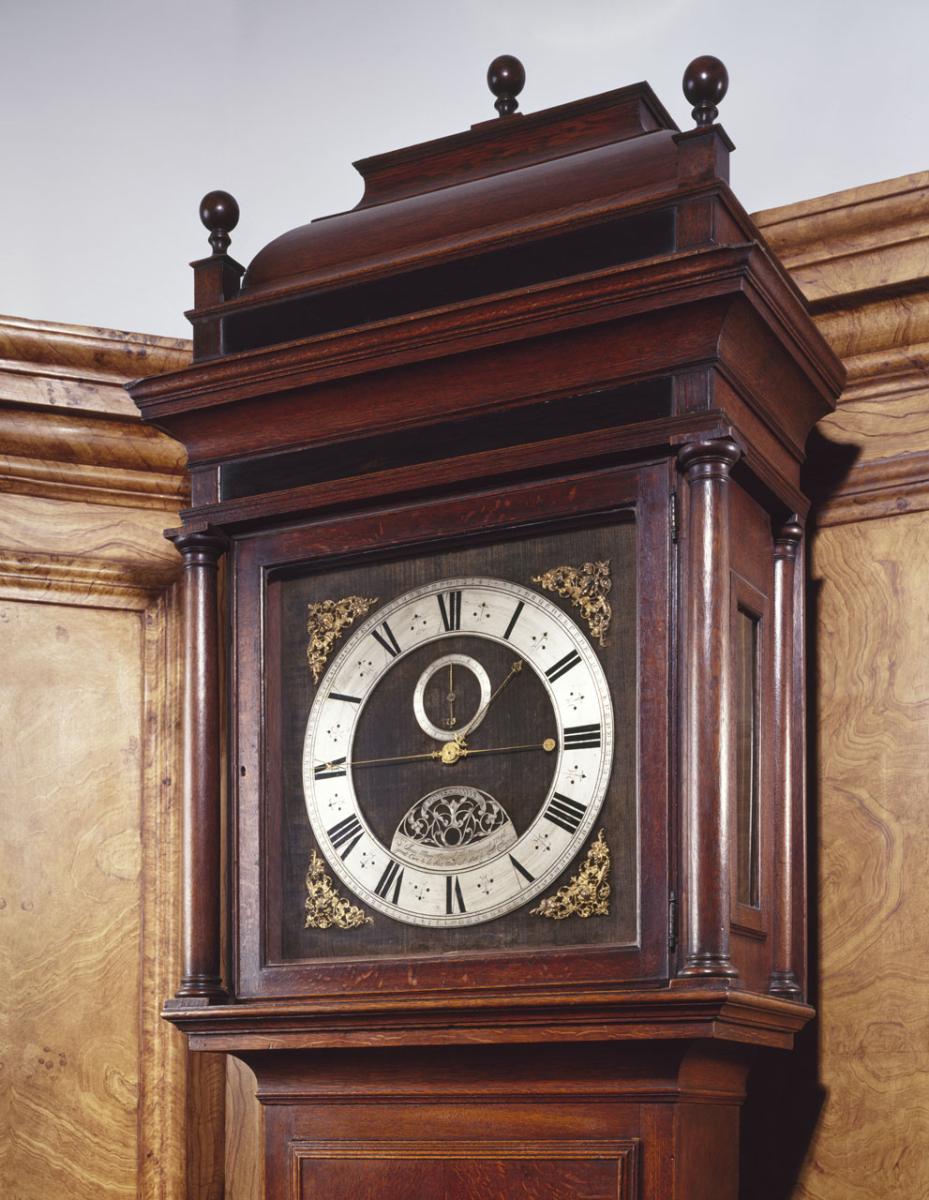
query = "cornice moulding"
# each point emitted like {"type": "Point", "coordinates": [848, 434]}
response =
{"type": "Point", "coordinates": [861, 258]}
{"type": "Point", "coordinates": [68, 428]}
{"type": "Point", "coordinates": [867, 237]}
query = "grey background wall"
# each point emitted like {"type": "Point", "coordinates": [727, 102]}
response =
{"type": "Point", "coordinates": [117, 115]}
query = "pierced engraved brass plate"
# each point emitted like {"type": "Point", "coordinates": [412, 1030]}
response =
{"type": "Point", "coordinates": [326, 621]}
{"type": "Point", "coordinates": [587, 588]}
{"type": "Point", "coordinates": [587, 894]}
{"type": "Point", "coordinates": [325, 908]}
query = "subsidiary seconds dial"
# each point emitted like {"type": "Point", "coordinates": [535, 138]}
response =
{"type": "Point", "coordinates": [458, 752]}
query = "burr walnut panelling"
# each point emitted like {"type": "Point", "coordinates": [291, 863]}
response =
{"type": "Point", "coordinates": [873, 767]}
{"type": "Point", "coordinates": [71, 851]}
{"type": "Point", "coordinates": [102, 1103]}
{"type": "Point", "coordinates": [862, 257]}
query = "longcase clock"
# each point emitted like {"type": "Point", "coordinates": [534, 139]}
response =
{"type": "Point", "coordinates": [504, 466]}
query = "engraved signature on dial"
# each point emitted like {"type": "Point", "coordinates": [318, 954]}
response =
{"type": "Point", "coordinates": [453, 827]}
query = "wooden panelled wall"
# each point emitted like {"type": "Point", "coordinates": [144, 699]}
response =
{"type": "Point", "coordinates": [102, 1100]}
{"type": "Point", "coordinates": [99, 1101]}
{"type": "Point", "coordinates": [862, 258]}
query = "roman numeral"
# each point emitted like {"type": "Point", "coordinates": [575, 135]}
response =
{"type": "Point", "coordinates": [387, 639]}
{"type": "Point", "coordinates": [565, 812]}
{"type": "Point", "coordinates": [349, 831]}
{"type": "Point", "coordinates": [330, 770]}
{"type": "Point", "coordinates": [527, 875]}
{"type": "Point", "coordinates": [392, 878]}
{"type": "Point", "coordinates": [515, 617]}
{"type": "Point", "coordinates": [582, 737]}
{"type": "Point", "coordinates": [342, 696]}
{"type": "Point", "coordinates": [450, 608]}
{"type": "Point", "coordinates": [563, 666]}
{"type": "Point", "coordinates": [453, 894]}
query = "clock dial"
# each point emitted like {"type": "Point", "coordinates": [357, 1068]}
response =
{"type": "Point", "coordinates": [458, 752]}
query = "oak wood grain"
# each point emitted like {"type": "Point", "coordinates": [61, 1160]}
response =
{"type": "Point", "coordinates": [244, 1133]}
{"type": "Point", "coordinates": [488, 314]}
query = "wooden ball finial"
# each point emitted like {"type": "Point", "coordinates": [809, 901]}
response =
{"type": "Point", "coordinates": [706, 82]}
{"type": "Point", "coordinates": [219, 212]}
{"type": "Point", "coordinates": [506, 78]}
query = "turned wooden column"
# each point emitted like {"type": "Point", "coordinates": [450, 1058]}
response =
{"type": "Point", "coordinates": [706, 783]}
{"type": "Point", "coordinates": [201, 976]}
{"type": "Point", "coordinates": [787, 544]}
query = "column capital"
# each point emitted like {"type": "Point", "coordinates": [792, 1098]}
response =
{"type": "Point", "coordinates": [199, 544]}
{"type": "Point", "coordinates": [787, 538]}
{"type": "Point", "coordinates": [711, 458]}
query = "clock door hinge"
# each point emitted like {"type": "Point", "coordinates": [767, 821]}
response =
{"type": "Point", "coordinates": [672, 517]}
{"type": "Point", "coordinates": [672, 922]}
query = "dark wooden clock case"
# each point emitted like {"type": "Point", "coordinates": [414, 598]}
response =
{"type": "Point", "coordinates": [547, 323]}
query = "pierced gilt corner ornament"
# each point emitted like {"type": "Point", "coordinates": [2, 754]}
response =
{"type": "Point", "coordinates": [325, 908]}
{"type": "Point", "coordinates": [326, 621]}
{"type": "Point", "coordinates": [587, 894]}
{"type": "Point", "coordinates": [586, 587]}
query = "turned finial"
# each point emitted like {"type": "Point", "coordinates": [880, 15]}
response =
{"type": "Point", "coordinates": [219, 212]}
{"type": "Point", "coordinates": [706, 82]}
{"type": "Point", "coordinates": [506, 78]}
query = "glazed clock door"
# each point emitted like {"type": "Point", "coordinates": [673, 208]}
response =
{"type": "Point", "coordinates": [457, 746]}
{"type": "Point", "coordinates": [449, 655]}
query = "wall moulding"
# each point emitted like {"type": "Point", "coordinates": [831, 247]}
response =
{"type": "Point", "coordinates": [861, 258]}
{"type": "Point", "coordinates": [68, 430]}
{"type": "Point", "coordinates": [44, 363]}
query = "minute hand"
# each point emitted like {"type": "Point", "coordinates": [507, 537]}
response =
{"type": "Point", "coordinates": [548, 746]}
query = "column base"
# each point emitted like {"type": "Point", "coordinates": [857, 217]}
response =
{"type": "Point", "coordinates": [708, 966]}
{"type": "Point", "coordinates": [784, 985]}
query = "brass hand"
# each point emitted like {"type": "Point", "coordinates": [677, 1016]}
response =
{"type": "Point", "coordinates": [450, 753]}
{"type": "Point", "coordinates": [548, 746]}
{"type": "Point", "coordinates": [479, 716]}
{"type": "Point", "coordinates": [370, 762]}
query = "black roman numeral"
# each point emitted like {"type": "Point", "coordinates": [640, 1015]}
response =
{"type": "Point", "coordinates": [330, 770]}
{"type": "Point", "coordinates": [565, 812]}
{"type": "Point", "coordinates": [450, 608]}
{"type": "Point", "coordinates": [387, 639]}
{"type": "Point", "coordinates": [563, 666]}
{"type": "Point", "coordinates": [582, 737]}
{"type": "Point", "coordinates": [453, 894]}
{"type": "Point", "coordinates": [527, 875]}
{"type": "Point", "coordinates": [348, 831]}
{"type": "Point", "coordinates": [342, 696]}
{"type": "Point", "coordinates": [392, 878]}
{"type": "Point", "coordinates": [515, 617]}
